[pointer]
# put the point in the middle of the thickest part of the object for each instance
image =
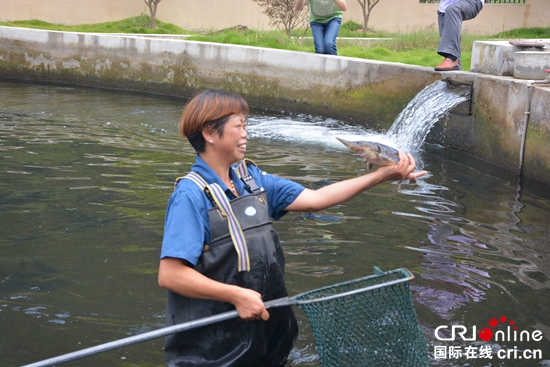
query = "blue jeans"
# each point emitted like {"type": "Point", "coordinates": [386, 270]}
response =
{"type": "Point", "coordinates": [324, 36]}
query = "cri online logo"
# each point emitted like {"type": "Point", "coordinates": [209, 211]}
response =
{"type": "Point", "coordinates": [486, 334]}
{"type": "Point", "coordinates": [509, 334]}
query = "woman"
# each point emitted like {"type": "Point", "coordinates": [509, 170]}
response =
{"type": "Point", "coordinates": [325, 18]}
{"type": "Point", "coordinates": [204, 264]}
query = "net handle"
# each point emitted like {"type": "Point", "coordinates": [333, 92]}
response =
{"type": "Point", "coordinates": [280, 302]}
{"type": "Point", "coordinates": [294, 300]}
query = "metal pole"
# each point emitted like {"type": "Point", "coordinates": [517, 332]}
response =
{"type": "Point", "coordinates": [280, 302]}
{"type": "Point", "coordinates": [525, 122]}
{"type": "Point", "coordinates": [133, 340]}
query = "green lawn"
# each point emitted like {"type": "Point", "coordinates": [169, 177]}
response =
{"type": "Point", "coordinates": [416, 48]}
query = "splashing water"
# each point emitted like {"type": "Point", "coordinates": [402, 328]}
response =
{"type": "Point", "coordinates": [407, 133]}
{"type": "Point", "coordinates": [413, 124]}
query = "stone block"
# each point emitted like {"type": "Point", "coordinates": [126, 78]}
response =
{"type": "Point", "coordinates": [531, 64]}
{"type": "Point", "coordinates": [499, 57]}
{"type": "Point", "coordinates": [493, 57]}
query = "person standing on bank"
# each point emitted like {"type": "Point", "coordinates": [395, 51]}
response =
{"type": "Point", "coordinates": [450, 15]}
{"type": "Point", "coordinates": [325, 18]}
{"type": "Point", "coordinates": [209, 267]}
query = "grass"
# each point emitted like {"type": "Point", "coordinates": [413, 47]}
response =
{"type": "Point", "coordinates": [417, 47]}
{"type": "Point", "coordinates": [139, 25]}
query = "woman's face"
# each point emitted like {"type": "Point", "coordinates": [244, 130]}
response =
{"type": "Point", "coordinates": [232, 144]}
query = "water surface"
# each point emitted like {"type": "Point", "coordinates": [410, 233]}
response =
{"type": "Point", "coordinates": [85, 175]}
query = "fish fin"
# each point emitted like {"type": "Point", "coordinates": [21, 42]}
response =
{"type": "Point", "coordinates": [412, 181]}
{"type": "Point", "coordinates": [369, 166]}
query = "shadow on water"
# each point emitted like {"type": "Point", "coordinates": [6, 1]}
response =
{"type": "Point", "coordinates": [86, 175]}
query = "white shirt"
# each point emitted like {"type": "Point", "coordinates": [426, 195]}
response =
{"type": "Point", "coordinates": [443, 4]}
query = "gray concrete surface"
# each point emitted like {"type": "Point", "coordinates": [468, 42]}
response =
{"type": "Point", "coordinates": [531, 64]}
{"type": "Point", "coordinates": [503, 58]}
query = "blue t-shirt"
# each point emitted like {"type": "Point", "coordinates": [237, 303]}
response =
{"type": "Point", "coordinates": [187, 226]}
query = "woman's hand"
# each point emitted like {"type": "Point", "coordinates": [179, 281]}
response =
{"type": "Point", "coordinates": [402, 171]}
{"type": "Point", "coordinates": [341, 4]}
{"type": "Point", "coordinates": [249, 305]}
{"type": "Point", "coordinates": [177, 276]}
{"type": "Point", "coordinates": [336, 193]}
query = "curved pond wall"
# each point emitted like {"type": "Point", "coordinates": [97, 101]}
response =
{"type": "Point", "coordinates": [365, 92]}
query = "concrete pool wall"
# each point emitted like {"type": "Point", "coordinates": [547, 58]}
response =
{"type": "Point", "coordinates": [366, 92]}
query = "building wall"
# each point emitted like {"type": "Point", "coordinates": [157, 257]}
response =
{"type": "Point", "coordinates": [388, 15]}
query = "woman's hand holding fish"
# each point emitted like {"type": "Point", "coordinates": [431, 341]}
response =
{"type": "Point", "coordinates": [336, 193]}
{"type": "Point", "coordinates": [404, 169]}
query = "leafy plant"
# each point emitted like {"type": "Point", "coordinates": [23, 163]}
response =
{"type": "Point", "coordinates": [140, 22]}
{"type": "Point", "coordinates": [350, 25]}
{"type": "Point", "coordinates": [139, 25]}
{"type": "Point", "coordinates": [282, 14]}
{"type": "Point", "coordinates": [367, 6]}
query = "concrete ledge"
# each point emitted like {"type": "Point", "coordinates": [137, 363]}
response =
{"type": "Point", "coordinates": [364, 92]}
{"type": "Point", "coordinates": [493, 57]}
{"type": "Point", "coordinates": [372, 92]}
{"type": "Point", "coordinates": [531, 64]}
{"type": "Point", "coordinates": [498, 57]}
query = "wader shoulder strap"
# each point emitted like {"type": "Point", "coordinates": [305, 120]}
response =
{"type": "Point", "coordinates": [218, 197]}
{"type": "Point", "coordinates": [242, 172]}
{"type": "Point", "coordinates": [242, 168]}
{"type": "Point", "coordinates": [195, 177]}
{"type": "Point", "coordinates": [237, 235]}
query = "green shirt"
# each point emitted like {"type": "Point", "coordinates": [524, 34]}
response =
{"type": "Point", "coordinates": [322, 11]}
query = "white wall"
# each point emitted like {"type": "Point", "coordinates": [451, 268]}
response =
{"type": "Point", "coordinates": [388, 15]}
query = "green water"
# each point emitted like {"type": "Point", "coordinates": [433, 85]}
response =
{"type": "Point", "coordinates": [85, 175]}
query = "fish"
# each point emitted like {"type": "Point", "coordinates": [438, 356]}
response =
{"type": "Point", "coordinates": [374, 153]}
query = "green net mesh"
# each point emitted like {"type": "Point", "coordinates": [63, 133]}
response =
{"type": "Point", "coordinates": [376, 327]}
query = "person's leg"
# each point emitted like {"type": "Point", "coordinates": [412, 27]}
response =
{"type": "Point", "coordinates": [440, 21]}
{"type": "Point", "coordinates": [446, 63]}
{"type": "Point", "coordinates": [451, 26]}
{"type": "Point", "coordinates": [331, 32]}
{"type": "Point", "coordinates": [318, 31]}
{"type": "Point", "coordinates": [441, 25]}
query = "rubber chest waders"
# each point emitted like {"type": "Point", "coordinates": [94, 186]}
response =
{"type": "Point", "coordinates": [235, 342]}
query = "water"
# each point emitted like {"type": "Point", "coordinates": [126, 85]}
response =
{"type": "Point", "coordinates": [430, 105]}
{"type": "Point", "coordinates": [85, 175]}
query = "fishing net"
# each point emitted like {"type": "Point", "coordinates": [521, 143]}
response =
{"type": "Point", "coordinates": [375, 325]}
